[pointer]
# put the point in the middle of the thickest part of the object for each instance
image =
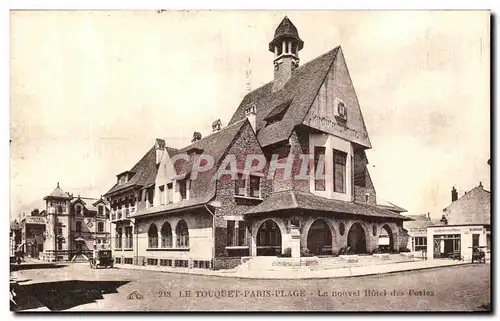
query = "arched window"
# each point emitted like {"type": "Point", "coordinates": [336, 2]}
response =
{"type": "Point", "coordinates": [153, 236]}
{"type": "Point", "coordinates": [166, 235]}
{"type": "Point", "coordinates": [182, 234]}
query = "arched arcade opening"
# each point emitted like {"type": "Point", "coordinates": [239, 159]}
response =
{"type": "Point", "coordinates": [269, 239]}
{"type": "Point", "coordinates": [356, 239]}
{"type": "Point", "coordinates": [319, 238]}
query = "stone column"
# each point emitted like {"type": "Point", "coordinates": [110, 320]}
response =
{"type": "Point", "coordinates": [295, 241]}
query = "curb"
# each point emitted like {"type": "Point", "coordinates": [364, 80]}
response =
{"type": "Point", "coordinates": [230, 275]}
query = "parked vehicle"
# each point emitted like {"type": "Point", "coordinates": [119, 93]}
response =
{"type": "Point", "coordinates": [102, 258]}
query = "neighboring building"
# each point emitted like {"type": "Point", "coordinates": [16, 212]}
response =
{"type": "Point", "coordinates": [179, 216]}
{"type": "Point", "coordinates": [417, 231]}
{"type": "Point", "coordinates": [32, 233]}
{"type": "Point", "coordinates": [465, 225]}
{"type": "Point", "coordinates": [15, 237]}
{"type": "Point", "coordinates": [74, 225]}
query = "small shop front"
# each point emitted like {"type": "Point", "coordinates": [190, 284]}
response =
{"type": "Point", "coordinates": [456, 242]}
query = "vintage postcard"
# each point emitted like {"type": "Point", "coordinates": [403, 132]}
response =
{"type": "Point", "coordinates": [250, 161]}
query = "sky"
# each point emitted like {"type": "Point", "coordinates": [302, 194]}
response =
{"type": "Point", "coordinates": [90, 92]}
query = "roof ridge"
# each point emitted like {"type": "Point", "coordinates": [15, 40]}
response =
{"type": "Point", "coordinates": [183, 149]}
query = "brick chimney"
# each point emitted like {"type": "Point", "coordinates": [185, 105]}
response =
{"type": "Point", "coordinates": [454, 194]}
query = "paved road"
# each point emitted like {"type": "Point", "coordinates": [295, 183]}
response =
{"type": "Point", "coordinates": [77, 287]}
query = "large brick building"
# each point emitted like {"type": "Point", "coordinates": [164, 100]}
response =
{"type": "Point", "coordinates": [313, 191]}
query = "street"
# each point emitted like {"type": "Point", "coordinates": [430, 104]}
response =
{"type": "Point", "coordinates": [76, 287]}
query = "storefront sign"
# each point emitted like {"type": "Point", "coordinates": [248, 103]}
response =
{"type": "Point", "coordinates": [446, 230]}
{"type": "Point", "coordinates": [35, 220]}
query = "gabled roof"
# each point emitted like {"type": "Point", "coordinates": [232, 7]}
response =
{"type": "Point", "coordinates": [204, 186]}
{"type": "Point", "coordinates": [144, 171]}
{"type": "Point", "coordinates": [472, 208]}
{"type": "Point", "coordinates": [283, 201]}
{"type": "Point", "coordinates": [214, 145]}
{"type": "Point", "coordinates": [301, 90]}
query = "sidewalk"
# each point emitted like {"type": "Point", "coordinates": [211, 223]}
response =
{"type": "Point", "coordinates": [305, 273]}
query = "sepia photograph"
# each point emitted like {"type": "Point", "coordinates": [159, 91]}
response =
{"type": "Point", "coordinates": [291, 161]}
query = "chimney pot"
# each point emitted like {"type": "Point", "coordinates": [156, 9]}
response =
{"type": "Point", "coordinates": [454, 194]}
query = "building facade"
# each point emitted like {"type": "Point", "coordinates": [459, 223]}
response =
{"type": "Point", "coordinates": [289, 171]}
{"type": "Point", "coordinates": [74, 225]}
{"type": "Point", "coordinates": [32, 232]}
{"type": "Point", "coordinates": [464, 227]}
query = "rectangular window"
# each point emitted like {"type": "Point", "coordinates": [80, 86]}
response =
{"type": "Point", "coordinates": [242, 233]}
{"type": "Point", "coordinates": [319, 168]}
{"type": "Point", "coordinates": [170, 192]}
{"type": "Point", "coordinates": [78, 227]}
{"type": "Point", "coordinates": [78, 210]}
{"type": "Point", "coordinates": [128, 237]}
{"type": "Point", "coordinates": [240, 186]}
{"type": "Point", "coordinates": [100, 226]}
{"type": "Point", "coordinates": [236, 233]}
{"type": "Point", "coordinates": [254, 186]}
{"type": "Point", "coordinates": [420, 243]}
{"type": "Point", "coordinates": [230, 233]}
{"type": "Point", "coordinates": [118, 238]}
{"type": "Point", "coordinates": [475, 241]}
{"type": "Point", "coordinates": [183, 189]}
{"type": "Point", "coordinates": [101, 210]}
{"type": "Point", "coordinates": [339, 171]}
{"type": "Point", "coordinates": [162, 195]}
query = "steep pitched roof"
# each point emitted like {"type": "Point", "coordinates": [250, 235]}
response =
{"type": "Point", "coordinates": [204, 186]}
{"type": "Point", "coordinates": [301, 90]}
{"type": "Point", "coordinates": [307, 201]}
{"type": "Point", "coordinates": [58, 193]}
{"type": "Point", "coordinates": [286, 30]}
{"type": "Point", "coordinates": [472, 208]}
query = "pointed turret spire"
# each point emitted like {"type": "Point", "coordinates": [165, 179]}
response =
{"type": "Point", "coordinates": [285, 46]}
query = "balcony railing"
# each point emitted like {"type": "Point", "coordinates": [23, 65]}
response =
{"type": "Point", "coordinates": [123, 213]}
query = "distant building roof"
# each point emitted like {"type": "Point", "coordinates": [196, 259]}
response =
{"type": "Point", "coordinates": [390, 206]}
{"type": "Point", "coordinates": [58, 193]}
{"type": "Point", "coordinates": [472, 208]}
{"type": "Point", "coordinates": [419, 223]}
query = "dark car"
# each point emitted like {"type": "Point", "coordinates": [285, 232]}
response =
{"type": "Point", "coordinates": [103, 258]}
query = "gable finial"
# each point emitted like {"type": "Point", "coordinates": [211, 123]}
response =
{"type": "Point", "coordinates": [57, 184]}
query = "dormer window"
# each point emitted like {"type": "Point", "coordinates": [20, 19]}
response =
{"type": "Point", "coordinates": [78, 210]}
{"type": "Point", "coordinates": [100, 210]}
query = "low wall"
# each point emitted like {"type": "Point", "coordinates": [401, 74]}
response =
{"type": "Point", "coordinates": [226, 263]}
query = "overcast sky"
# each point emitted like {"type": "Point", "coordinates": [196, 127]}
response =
{"type": "Point", "coordinates": [90, 91]}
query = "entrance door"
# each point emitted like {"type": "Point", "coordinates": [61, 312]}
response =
{"type": "Point", "coordinates": [78, 247]}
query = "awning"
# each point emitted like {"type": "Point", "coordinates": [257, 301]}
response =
{"type": "Point", "coordinates": [289, 200]}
